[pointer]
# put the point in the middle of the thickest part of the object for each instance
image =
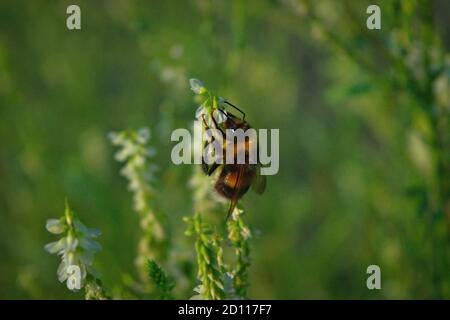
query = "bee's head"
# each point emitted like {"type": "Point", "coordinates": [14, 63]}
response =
{"type": "Point", "coordinates": [233, 122]}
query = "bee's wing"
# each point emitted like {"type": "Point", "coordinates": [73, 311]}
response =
{"type": "Point", "coordinates": [259, 182]}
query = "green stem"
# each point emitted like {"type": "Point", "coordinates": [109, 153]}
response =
{"type": "Point", "coordinates": [239, 235]}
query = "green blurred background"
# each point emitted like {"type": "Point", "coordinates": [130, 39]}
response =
{"type": "Point", "coordinates": [364, 135]}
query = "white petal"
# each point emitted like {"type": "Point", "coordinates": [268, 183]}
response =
{"type": "Point", "coordinates": [197, 86]}
{"type": "Point", "coordinates": [55, 226]}
{"type": "Point", "coordinates": [219, 116]}
{"type": "Point", "coordinates": [90, 245]}
{"type": "Point", "coordinates": [116, 138]}
{"type": "Point", "coordinates": [80, 226]}
{"type": "Point", "coordinates": [93, 233]}
{"type": "Point", "coordinates": [71, 243]}
{"type": "Point", "coordinates": [138, 160]}
{"type": "Point", "coordinates": [62, 272]}
{"type": "Point", "coordinates": [200, 112]}
{"type": "Point", "coordinates": [56, 247]}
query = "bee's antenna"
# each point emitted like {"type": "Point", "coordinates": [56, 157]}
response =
{"type": "Point", "coordinates": [242, 112]}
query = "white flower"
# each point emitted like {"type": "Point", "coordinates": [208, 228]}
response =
{"type": "Point", "coordinates": [200, 112]}
{"type": "Point", "coordinates": [201, 293]}
{"type": "Point", "coordinates": [56, 247]}
{"type": "Point", "coordinates": [89, 232]}
{"type": "Point", "coordinates": [219, 116]}
{"type": "Point", "coordinates": [128, 149]}
{"type": "Point", "coordinates": [55, 226]}
{"type": "Point", "coordinates": [197, 86]}
{"type": "Point", "coordinates": [77, 248]}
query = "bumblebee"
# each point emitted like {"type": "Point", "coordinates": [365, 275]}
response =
{"type": "Point", "coordinates": [232, 181]}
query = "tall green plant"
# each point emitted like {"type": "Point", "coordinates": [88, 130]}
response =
{"type": "Point", "coordinates": [135, 153]}
{"type": "Point", "coordinates": [218, 280]}
{"type": "Point", "coordinates": [408, 61]}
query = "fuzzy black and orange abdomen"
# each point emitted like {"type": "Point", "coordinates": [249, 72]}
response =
{"type": "Point", "coordinates": [232, 183]}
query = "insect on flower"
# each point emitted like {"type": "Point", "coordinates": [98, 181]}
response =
{"type": "Point", "coordinates": [232, 180]}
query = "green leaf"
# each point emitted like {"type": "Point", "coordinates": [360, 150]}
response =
{"type": "Point", "coordinates": [162, 281]}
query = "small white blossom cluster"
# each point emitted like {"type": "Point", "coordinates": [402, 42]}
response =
{"type": "Point", "coordinates": [210, 264]}
{"type": "Point", "coordinates": [209, 107]}
{"type": "Point", "coordinates": [201, 292]}
{"type": "Point", "coordinates": [76, 249]}
{"type": "Point", "coordinates": [135, 152]}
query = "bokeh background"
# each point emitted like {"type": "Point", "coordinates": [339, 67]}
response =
{"type": "Point", "coordinates": [364, 135]}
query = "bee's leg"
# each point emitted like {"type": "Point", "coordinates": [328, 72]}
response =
{"type": "Point", "coordinates": [212, 168]}
{"type": "Point", "coordinates": [242, 112]}
{"type": "Point", "coordinates": [209, 169]}
{"type": "Point", "coordinates": [215, 124]}
{"type": "Point", "coordinates": [204, 122]}
{"type": "Point", "coordinates": [225, 114]}
{"type": "Point", "coordinates": [233, 204]}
